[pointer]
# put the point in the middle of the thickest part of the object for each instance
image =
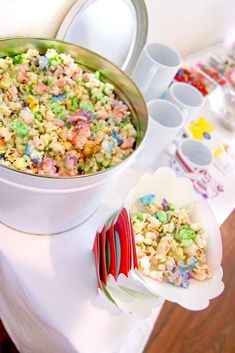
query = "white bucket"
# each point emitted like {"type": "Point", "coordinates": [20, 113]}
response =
{"type": "Point", "coordinates": [48, 205]}
{"type": "Point", "coordinates": [45, 205]}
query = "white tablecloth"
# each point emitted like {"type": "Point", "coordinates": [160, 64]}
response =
{"type": "Point", "coordinates": [48, 295]}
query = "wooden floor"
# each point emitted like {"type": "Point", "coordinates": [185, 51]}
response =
{"type": "Point", "coordinates": [181, 331]}
{"type": "Point", "coordinates": [209, 331]}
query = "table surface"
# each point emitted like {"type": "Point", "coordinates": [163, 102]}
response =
{"type": "Point", "coordinates": [48, 296]}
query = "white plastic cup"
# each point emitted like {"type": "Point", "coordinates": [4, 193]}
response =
{"type": "Point", "coordinates": [187, 98]}
{"type": "Point", "coordinates": [165, 121]}
{"type": "Point", "coordinates": [194, 154]}
{"type": "Point", "coordinates": [155, 69]}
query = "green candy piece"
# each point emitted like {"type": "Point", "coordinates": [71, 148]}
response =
{"type": "Point", "coordinates": [18, 59]}
{"type": "Point", "coordinates": [37, 116]}
{"type": "Point", "coordinates": [61, 116]}
{"type": "Point", "coordinates": [86, 105]}
{"type": "Point", "coordinates": [162, 216]}
{"type": "Point", "coordinates": [56, 108]}
{"type": "Point", "coordinates": [171, 207]}
{"type": "Point", "coordinates": [25, 140]}
{"type": "Point", "coordinates": [99, 159]}
{"type": "Point", "coordinates": [97, 75]}
{"type": "Point", "coordinates": [47, 80]}
{"type": "Point", "coordinates": [105, 163]}
{"type": "Point", "coordinates": [20, 129]}
{"type": "Point", "coordinates": [49, 150]}
{"type": "Point", "coordinates": [80, 166]}
{"type": "Point", "coordinates": [140, 217]}
{"type": "Point", "coordinates": [75, 101]}
{"type": "Point", "coordinates": [186, 242]}
{"type": "Point", "coordinates": [99, 126]}
{"type": "Point", "coordinates": [88, 165]}
{"type": "Point", "coordinates": [104, 100]}
{"type": "Point", "coordinates": [33, 67]}
{"type": "Point", "coordinates": [30, 90]}
{"type": "Point", "coordinates": [16, 124]}
{"type": "Point", "coordinates": [184, 232]}
{"type": "Point", "coordinates": [66, 89]}
{"type": "Point", "coordinates": [69, 125]}
{"type": "Point", "coordinates": [54, 62]}
{"type": "Point", "coordinates": [125, 121]}
{"type": "Point", "coordinates": [24, 129]}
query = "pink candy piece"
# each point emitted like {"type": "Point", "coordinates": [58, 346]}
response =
{"type": "Point", "coordinates": [80, 138]}
{"type": "Point", "coordinates": [128, 142]}
{"type": "Point", "coordinates": [49, 166]}
{"type": "Point", "coordinates": [68, 71]}
{"type": "Point", "coordinates": [59, 122]}
{"type": "Point", "coordinates": [59, 71]}
{"type": "Point", "coordinates": [77, 116]}
{"type": "Point", "coordinates": [104, 116]}
{"type": "Point", "coordinates": [71, 162]}
{"type": "Point", "coordinates": [13, 93]}
{"type": "Point", "coordinates": [84, 128]}
{"type": "Point", "coordinates": [72, 118]}
{"type": "Point", "coordinates": [76, 75]}
{"type": "Point", "coordinates": [22, 78]}
{"type": "Point", "coordinates": [60, 83]}
{"type": "Point", "coordinates": [22, 68]}
{"type": "Point", "coordinates": [41, 88]}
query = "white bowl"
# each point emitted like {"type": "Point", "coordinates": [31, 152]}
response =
{"type": "Point", "coordinates": [179, 191]}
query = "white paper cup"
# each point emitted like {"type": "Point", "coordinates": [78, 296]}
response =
{"type": "Point", "coordinates": [155, 69]}
{"type": "Point", "coordinates": [186, 97]}
{"type": "Point", "coordinates": [165, 121]}
{"type": "Point", "coordinates": [194, 154]}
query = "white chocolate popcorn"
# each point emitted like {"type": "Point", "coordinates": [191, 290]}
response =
{"type": "Point", "coordinates": [191, 249]}
{"type": "Point", "coordinates": [195, 227]}
{"type": "Point", "coordinates": [169, 247]}
{"type": "Point", "coordinates": [202, 240]}
{"type": "Point", "coordinates": [145, 263]}
{"type": "Point", "coordinates": [148, 241]}
{"type": "Point", "coordinates": [139, 238]}
{"type": "Point", "coordinates": [158, 275]}
{"type": "Point", "coordinates": [165, 244]}
{"type": "Point", "coordinates": [201, 273]}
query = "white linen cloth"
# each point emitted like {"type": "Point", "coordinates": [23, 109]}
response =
{"type": "Point", "coordinates": [48, 294]}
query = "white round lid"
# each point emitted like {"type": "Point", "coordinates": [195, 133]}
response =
{"type": "Point", "coordinates": [115, 29]}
